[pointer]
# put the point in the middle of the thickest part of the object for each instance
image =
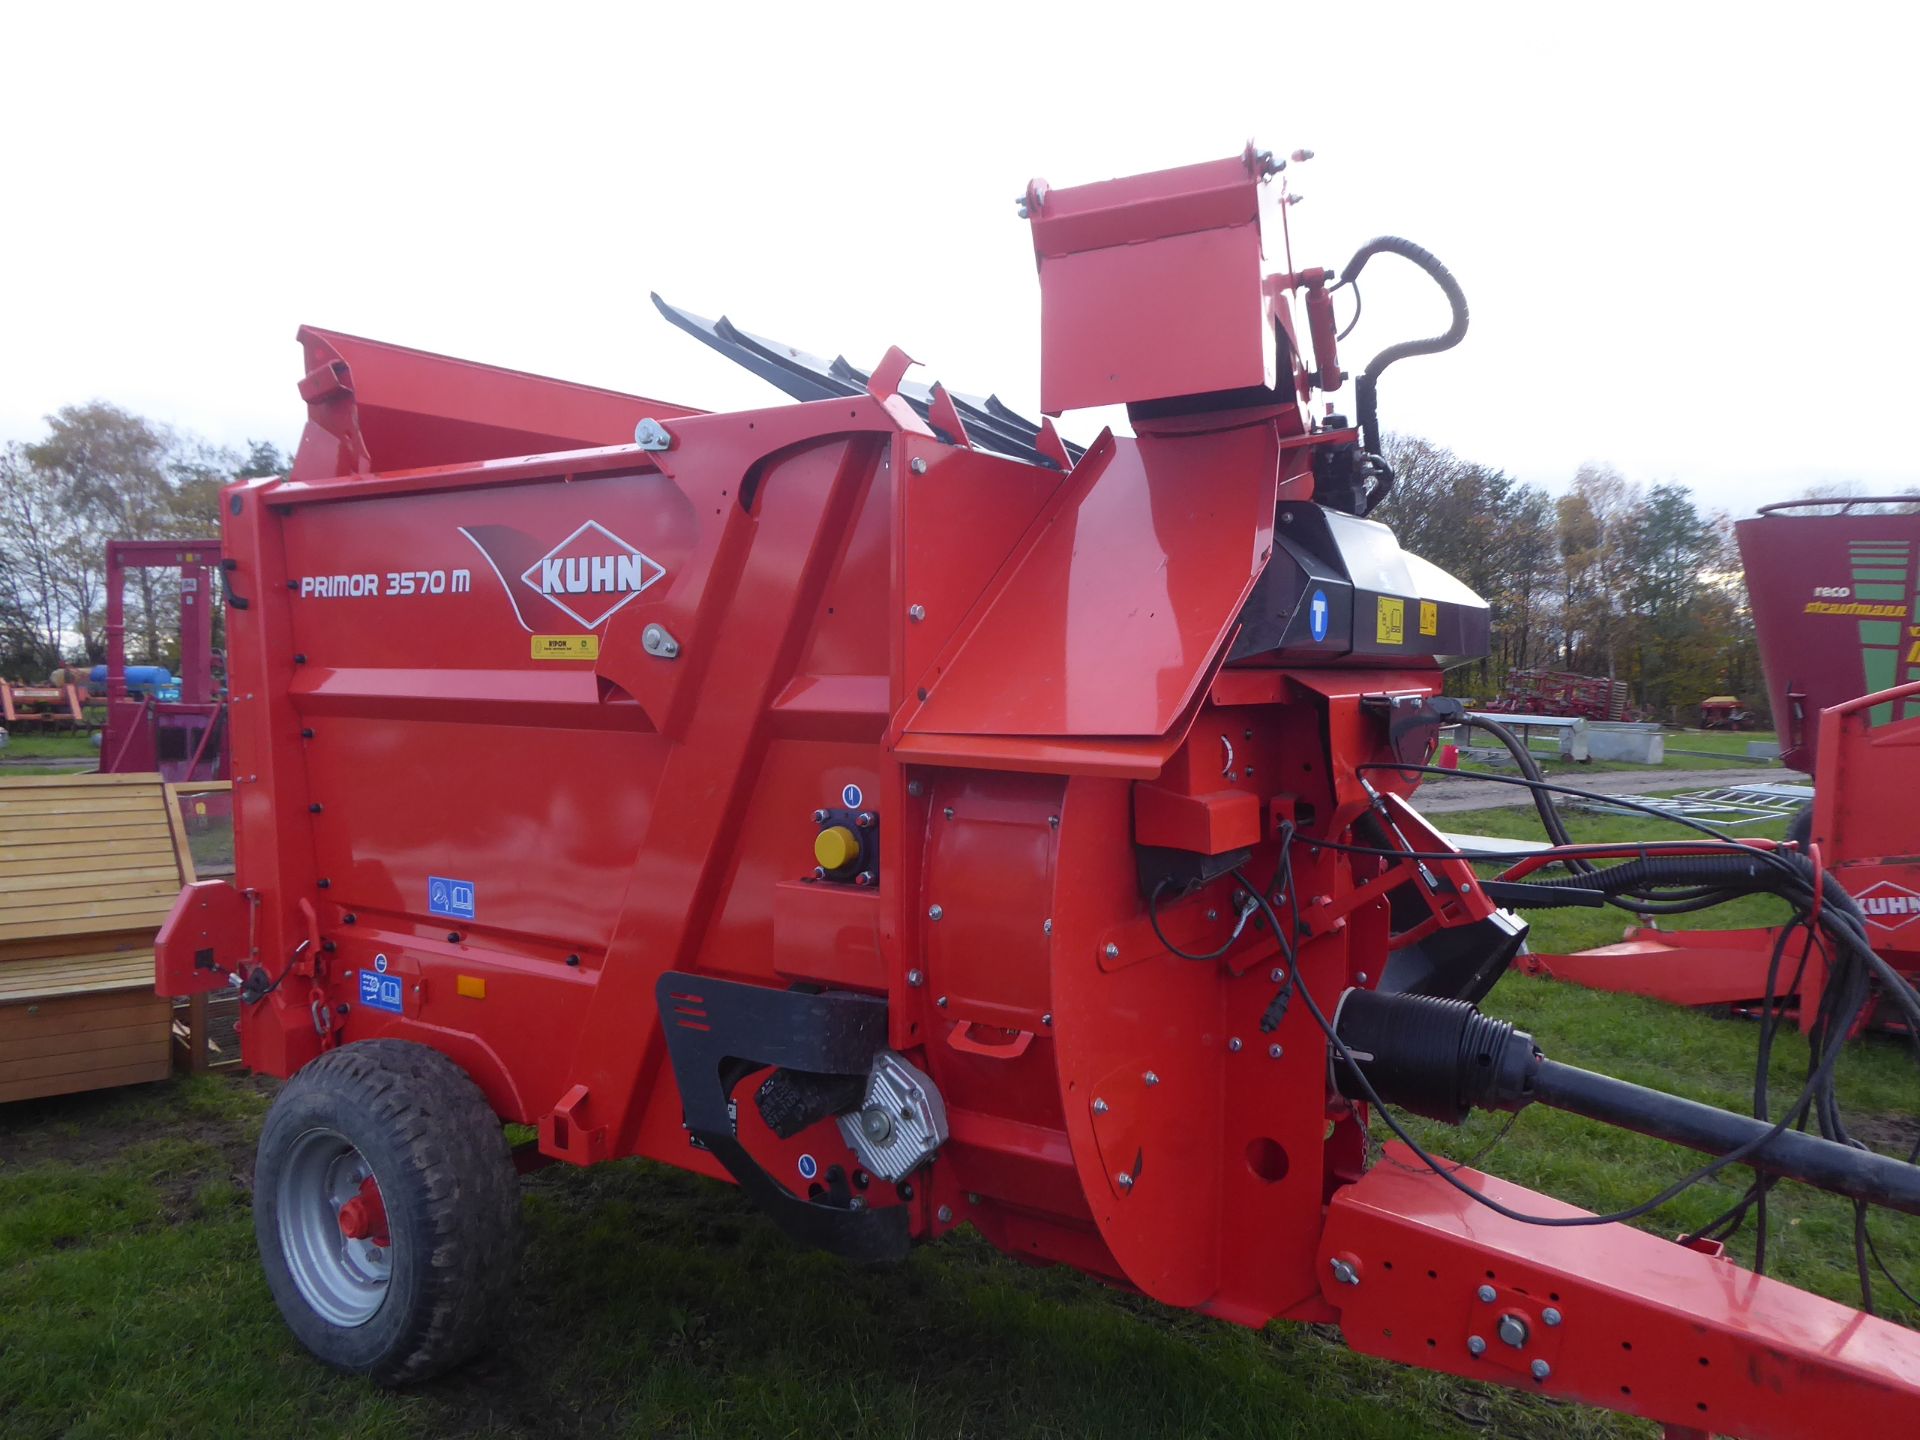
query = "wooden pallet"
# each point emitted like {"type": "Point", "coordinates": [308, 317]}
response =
{"type": "Point", "coordinates": [89, 867]}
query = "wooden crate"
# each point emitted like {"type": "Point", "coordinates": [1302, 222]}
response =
{"type": "Point", "coordinates": [88, 870]}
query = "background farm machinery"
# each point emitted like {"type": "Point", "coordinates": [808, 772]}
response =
{"type": "Point", "coordinates": [1832, 589]}
{"type": "Point", "coordinates": [919, 821]}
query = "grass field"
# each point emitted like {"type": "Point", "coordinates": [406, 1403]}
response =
{"type": "Point", "coordinates": [654, 1303]}
{"type": "Point", "coordinates": [1709, 748]}
{"type": "Point", "coordinates": [62, 754]}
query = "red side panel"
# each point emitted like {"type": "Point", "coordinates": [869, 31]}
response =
{"type": "Point", "coordinates": [1150, 286]}
{"type": "Point", "coordinates": [373, 406]}
{"type": "Point", "coordinates": [1107, 618]}
{"type": "Point", "coordinates": [1833, 599]}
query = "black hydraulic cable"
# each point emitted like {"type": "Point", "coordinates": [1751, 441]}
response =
{"type": "Point", "coordinates": [1850, 985]}
{"type": "Point", "coordinates": [1356, 308]}
{"type": "Point", "coordinates": [1550, 820]}
{"type": "Point", "coordinates": [1433, 1163]}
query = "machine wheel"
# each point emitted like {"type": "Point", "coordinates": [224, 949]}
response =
{"type": "Point", "coordinates": [387, 1210]}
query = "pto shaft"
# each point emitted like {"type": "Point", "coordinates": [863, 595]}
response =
{"type": "Point", "coordinates": [1443, 1059]}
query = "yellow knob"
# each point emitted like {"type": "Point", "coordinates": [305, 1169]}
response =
{"type": "Point", "coordinates": [836, 847]}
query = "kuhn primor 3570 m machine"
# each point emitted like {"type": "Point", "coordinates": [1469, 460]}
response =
{"type": "Point", "coordinates": [919, 821]}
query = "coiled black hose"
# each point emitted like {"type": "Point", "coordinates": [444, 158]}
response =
{"type": "Point", "coordinates": [1366, 388]}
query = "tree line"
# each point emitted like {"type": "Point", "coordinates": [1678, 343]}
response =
{"type": "Point", "coordinates": [1614, 578]}
{"type": "Point", "coordinates": [99, 474]}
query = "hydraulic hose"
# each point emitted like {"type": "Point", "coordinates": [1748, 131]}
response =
{"type": "Point", "coordinates": [1549, 813]}
{"type": "Point", "coordinates": [1366, 388]}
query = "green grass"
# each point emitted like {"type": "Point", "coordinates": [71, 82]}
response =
{"type": "Point", "coordinates": [1731, 746]}
{"type": "Point", "coordinates": [1720, 742]}
{"type": "Point", "coordinates": [29, 745]}
{"type": "Point", "coordinates": [652, 1302]}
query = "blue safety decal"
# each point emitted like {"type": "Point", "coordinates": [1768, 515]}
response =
{"type": "Point", "coordinates": [809, 1167]}
{"type": "Point", "coordinates": [451, 898]}
{"type": "Point", "coordinates": [1317, 616]}
{"type": "Point", "coordinates": [380, 992]}
{"type": "Point", "coordinates": [850, 796]}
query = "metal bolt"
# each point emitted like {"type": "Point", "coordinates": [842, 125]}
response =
{"type": "Point", "coordinates": [1274, 1052]}
{"type": "Point", "coordinates": [1540, 1369]}
{"type": "Point", "coordinates": [1047, 1019]}
{"type": "Point", "coordinates": [1475, 1345]}
{"type": "Point", "coordinates": [1550, 1315]}
{"type": "Point", "coordinates": [917, 465]}
{"type": "Point", "coordinates": [916, 613]}
{"type": "Point", "coordinates": [863, 820]}
{"type": "Point", "coordinates": [1113, 951]}
{"type": "Point", "coordinates": [1100, 1107]}
{"type": "Point", "coordinates": [1513, 1330]}
{"type": "Point", "coordinates": [1234, 1044]}
{"type": "Point", "coordinates": [1486, 1294]}
{"type": "Point", "coordinates": [915, 788]}
{"type": "Point", "coordinates": [1344, 1272]}
{"type": "Point", "coordinates": [948, 812]}
{"type": "Point", "coordinates": [972, 1198]}
{"type": "Point", "coordinates": [1151, 1078]}
{"type": "Point", "coordinates": [944, 1214]}
{"type": "Point", "coordinates": [934, 912]}
{"type": "Point", "coordinates": [1276, 974]}
{"type": "Point", "coordinates": [915, 978]}
{"type": "Point", "coordinates": [941, 1002]}
{"type": "Point", "coordinates": [876, 1123]}
{"type": "Point", "coordinates": [819, 872]}
{"type": "Point", "coordinates": [1125, 1180]}
{"type": "Point", "coordinates": [1046, 926]}
{"type": "Point", "coordinates": [1361, 978]}
{"type": "Point", "coordinates": [1054, 821]}
{"type": "Point", "coordinates": [819, 817]}
{"type": "Point", "coordinates": [1466, 887]}
{"type": "Point", "coordinates": [856, 1202]}
{"type": "Point", "coordinates": [1213, 914]}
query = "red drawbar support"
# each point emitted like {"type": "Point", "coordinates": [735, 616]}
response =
{"type": "Point", "coordinates": [565, 1136]}
{"type": "Point", "coordinates": [1606, 1315]}
{"type": "Point", "coordinates": [203, 940]}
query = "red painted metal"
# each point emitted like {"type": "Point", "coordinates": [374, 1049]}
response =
{"type": "Point", "coordinates": [1862, 830]}
{"type": "Point", "coordinates": [1833, 593]}
{"type": "Point", "coordinates": [364, 1216]}
{"type": "Point", "coordinates": [495, 794]}
{"type": "Point", "coordinates": [1645, 1326]}
{"type": "Point", "coordinates": [41, 707]}
{"type": "Point", "coordinates": [184, 739]}
{"type": "Point", "coordinates": [1183, 247]}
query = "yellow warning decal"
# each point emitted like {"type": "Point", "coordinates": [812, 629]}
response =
{"type": "Point", "coordinates": [1429, 618]}
{"type": "Point", "coordinates": [1391, 621]}
{"type": "Point", "coordinates": [566, 647]}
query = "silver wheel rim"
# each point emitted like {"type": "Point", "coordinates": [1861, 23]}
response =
{"type": "Point", "coordinates": [343, 1279]}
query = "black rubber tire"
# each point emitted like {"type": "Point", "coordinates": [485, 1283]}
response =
{"type": "Point", "coordinates": [452, 1197]}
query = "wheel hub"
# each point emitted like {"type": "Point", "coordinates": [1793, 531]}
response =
{"type": "Point", "coordinates": [364, 1217]}
{"type": "Point", "coordinates": [334, 1231]}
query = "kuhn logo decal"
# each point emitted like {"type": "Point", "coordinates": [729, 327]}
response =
{"type": "Point", "coordinates": [587, 577]}
{"type": "Point", "coordinates": [1888, 905]}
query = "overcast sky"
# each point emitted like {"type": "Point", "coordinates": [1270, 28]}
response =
{"type": "Point", "coordinates": [1686, 230]}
